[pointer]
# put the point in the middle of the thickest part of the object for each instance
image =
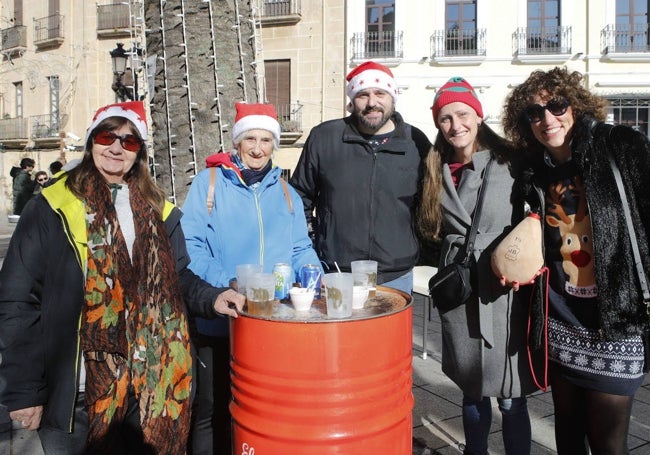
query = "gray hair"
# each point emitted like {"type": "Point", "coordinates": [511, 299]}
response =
{"type": "Point", "coordinates": [240, 137]}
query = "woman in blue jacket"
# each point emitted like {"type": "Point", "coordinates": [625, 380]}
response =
{"type": "Point", "coordinates": [253, 217]}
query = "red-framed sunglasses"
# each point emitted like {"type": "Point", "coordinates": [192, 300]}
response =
{"type": "Point", "coordinates": [128, 141]}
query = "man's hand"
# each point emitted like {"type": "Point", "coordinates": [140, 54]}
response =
{"type": "Point", "coordinates": [29, 418]}
{"type": "Point", "coordinates": [229, 303]}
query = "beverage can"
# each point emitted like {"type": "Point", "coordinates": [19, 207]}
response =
{"type": "Point", "coordinates": [310, 277]}
{"type": "Point", "coordinates": [283, 280]}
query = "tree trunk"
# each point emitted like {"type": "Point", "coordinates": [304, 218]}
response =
{"type": "Point", "coordinates": [198, 78]}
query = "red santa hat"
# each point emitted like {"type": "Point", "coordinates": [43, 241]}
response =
{"type": "Point", "coordinates": [456, 89]}
{"type": "Point", "coordinates": [131, 110]}
{"type": "Point", "coordinates": [371, 75]}
{"type": "Point", "coordinates": [256, 117]}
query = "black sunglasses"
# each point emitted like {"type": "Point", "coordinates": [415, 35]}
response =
{"type": "Point", "coordinates": [128, 141]}
{"type": "Point", "coordinates": [556, 106]}
{"type": "Point", "coordinates": [42, 179]}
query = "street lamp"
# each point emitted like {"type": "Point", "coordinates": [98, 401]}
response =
{"type": "Point", "coordinates": [120, 57]}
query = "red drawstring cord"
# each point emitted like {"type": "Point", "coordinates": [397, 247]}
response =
{"type": "Point", "coordinates": [544, 387]}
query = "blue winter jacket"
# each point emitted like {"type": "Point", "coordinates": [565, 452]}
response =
{"type": "Point", "coordinates": [246, 226]}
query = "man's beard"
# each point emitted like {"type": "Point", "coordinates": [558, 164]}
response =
{"type": "Point", "coordinates": [374, 125]}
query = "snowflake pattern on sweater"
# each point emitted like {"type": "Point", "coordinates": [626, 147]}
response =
{"type": "Point", "coordinates": [583, 350]}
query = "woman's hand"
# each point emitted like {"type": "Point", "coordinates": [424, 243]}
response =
{"type": "Point", "coordinates": [229, 303]}
{"type": "Point", "coordinates": [515, 284]}
{"type": "Point", "coordinates": [29, 418]}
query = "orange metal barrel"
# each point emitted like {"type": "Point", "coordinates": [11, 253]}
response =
{"type": "Point", "coordinates": [316, 386]}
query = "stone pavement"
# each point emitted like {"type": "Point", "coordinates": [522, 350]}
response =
{"type": "Point", "coordinates": [437, 422]}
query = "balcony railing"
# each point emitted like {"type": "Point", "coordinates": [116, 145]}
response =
{"type": "Point", "coordinates": [454, 42]}
{"type": "Point", "coordinates": [277, 12]}
{"type": "Point", "coordinates": [45, 126]}
{"type": "Point", "coordinates": [14, 39]}
{"type": "Point", "coordinates": [13, 129]}
{"type": "Point", "coordinates": [542, 40]}
{"type": "Point", "coordinates": [48, 31]}
{"type": "Point", "coordinates": [113, 19]}
{"type": "Point", "coordinates": [281, 7]}
{"type": "Point", "coordinates": [290, 118]}
{"type": "Point", "coordinates": [620, 38]}
{"type": "Point", "coordinates": [386, 44]}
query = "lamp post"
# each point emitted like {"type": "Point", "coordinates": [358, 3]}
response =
{"type": "Point", "coordinates": [120, 57]}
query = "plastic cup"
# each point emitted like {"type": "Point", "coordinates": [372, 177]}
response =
{"type": "Point", "coordinates": [301, 298]}
{"type": "Point", "coordinates": [365, 274]}
{"type": "Point", "coordinates": [338, 294]}
{"type": "Point", "coordinates": [359, 297]}
{"type": "Point", "coordinates": [243, 270]}
{"type": "Point", "coordinates": [260, 294]}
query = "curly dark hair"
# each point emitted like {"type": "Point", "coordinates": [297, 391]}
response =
{"type": "Point", "coordinates": [557, 82]}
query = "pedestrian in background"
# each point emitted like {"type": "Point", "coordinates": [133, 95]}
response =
{"type": "Point", "coordinates": [41, 179]}
{"type": "Point", "coordinates": [255, 217]}
{"type": "Point", "coordinates": [23, 184]}
{"type": "Point", "coordinates": [358, 178]}
{"type": "Point", "coordinates": [55, 167]}
{"type": "Point", "coordinates": [483, 338]}
{"type": "Point", "coordinates": [93, 291]}
{"type": "Point", "coordinates": [597, 315]}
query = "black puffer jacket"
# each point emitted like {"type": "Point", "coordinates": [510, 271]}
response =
{"type": "Point", "coordinates": [364, 199]}
{"type": "Point", "coordinates": [620, 303]}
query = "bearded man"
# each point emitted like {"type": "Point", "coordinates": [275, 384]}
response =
{"type": "Point", "coordinates": [359, 179]}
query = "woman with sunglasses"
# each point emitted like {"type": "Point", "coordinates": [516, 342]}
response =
{"type": "Point", "coordinates": [596, 316]}
{"type": "Point", "coordinates": [484, 338]}
{"type": "Point", "coordinates": [93, 291]}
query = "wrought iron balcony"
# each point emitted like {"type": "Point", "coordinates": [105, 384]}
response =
{"type": "Point", "coordinates": [369, 45]}
{"type": "Point", "coordinates": [542, 40]}
{"type": "Point", "coordinates": [45, 126]}
{"type": "Point", "coordinates": [455, 42]}
{"type": "Point", "coordinates": [48, 31]}
{"type": "Point", "coordinates": [14, 39]}
{"type": "Point", "coordinates": [290, 118]}
{"type": "Point", "coordinates": [113, 20]}
{"type": "Point", "coordinates": [625, 38]}
{"type": "Point", "coordinates": [276, 12]}
{"type": "Point", "coordinates": [13, 132]}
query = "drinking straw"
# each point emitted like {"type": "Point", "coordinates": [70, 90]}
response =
{"type": "Point", "coordinates": [337, 267]}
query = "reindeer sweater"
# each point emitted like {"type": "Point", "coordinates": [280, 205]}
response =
{"type": "Point", "coordinates": [594, 285]}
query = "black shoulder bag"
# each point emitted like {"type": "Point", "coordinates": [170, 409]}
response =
{"type": "Point", "coordinates": [451, 286]}
{"type": "Point", "coordinates": [635, 252]}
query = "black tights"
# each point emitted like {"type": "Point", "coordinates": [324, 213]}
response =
{"type": "Point", "coordinates": [584, 416]}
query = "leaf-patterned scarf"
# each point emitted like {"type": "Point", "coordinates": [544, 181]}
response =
{"type": "Point", "coordinates": [134, 332]}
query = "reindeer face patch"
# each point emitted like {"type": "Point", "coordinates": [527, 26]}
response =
{"type": "Point", "coordinates": [567, 212]}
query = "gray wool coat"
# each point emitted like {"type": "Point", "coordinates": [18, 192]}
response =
{"type": "Point", "coordinates": [484, 340]}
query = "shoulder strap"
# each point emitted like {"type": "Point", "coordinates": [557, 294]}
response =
{"type": "Point", "coordinates": [287, 196]}
{"type": "Point", "coordinates": [630, 229]}
{"type": "Point", "coordinates": [210, 199]}
{"type": "Point", "coordinates": [469, 243]}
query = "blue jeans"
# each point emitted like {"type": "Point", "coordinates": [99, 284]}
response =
{"type": "Point", "coordinates": [403, 283]}
{"type": "Point", "coordinates": [477, 419]}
